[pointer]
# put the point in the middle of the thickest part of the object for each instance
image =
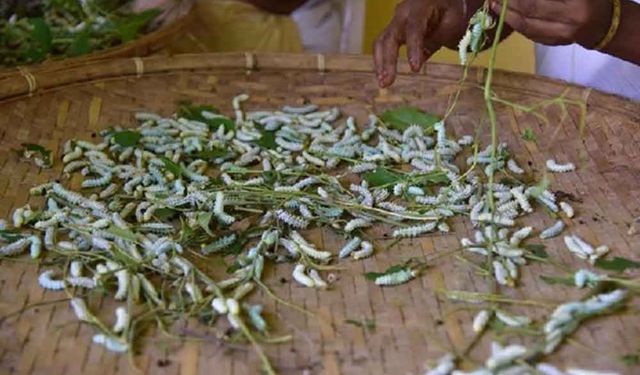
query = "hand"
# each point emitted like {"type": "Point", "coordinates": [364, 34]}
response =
{"type": "Point", "coordinates": [425, 26]}
{"type": "Point", "coordinates": [559, 22]}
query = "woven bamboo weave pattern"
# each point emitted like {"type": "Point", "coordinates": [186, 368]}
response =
{"type": "Point", "coordinates": [414, 322]}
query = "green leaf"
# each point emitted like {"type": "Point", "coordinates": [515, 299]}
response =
{"type": "Point", "coordinates": [529, 135]}
{"type": "Point", "coordinates": [402, 118]}
{"type": "Point", "coordinates": [538, 250]}
{"type": "Point", "coordinates": [381, 176]}
{"type": "Point", "coordinates": [164, 213]}
{"type": "Point", "coordinates": [41, 36]}
{"type": "Point", "coordinates": [631, 359]}
{"type": "Point", "coordinates": [268, 140]}
{"type": "Point", "coordinates": [393, 269]}
{"type": "Point", "coordinates": [436, 177]}
{"type": "Point", "coordinates": [204, 219]}
{"type": "Point", "coordinates": [215, 123]}
{"type": "Point", "coordinates": [172, 167]}
{"type": "Point", "coordinates": [81, 44]}
{"type": "Point", "coordinates": [130, 26]}
{"type": "Point", "coordinates": [10, 236]}
{"type": "Point", "coordinates": [45, 154]}
{"type": "Point", "coordinates": [553, 280]}
{"type": "Point", "coordinates": [214, 153]}
{"type": "Point", "coordinates": [122, 233]}
{"type": "Point", "coordinates": [617, 264]}
{"type": "Point", "coordinates": [127, 138]}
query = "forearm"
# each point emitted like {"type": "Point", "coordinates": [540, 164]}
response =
{"type": "Point", "coordinates": [626, 43]}
{"type": "Point", "coordinates": [277, 6]}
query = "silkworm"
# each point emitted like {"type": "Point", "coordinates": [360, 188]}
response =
{"type": "Point", "coordinates": [308, 248]}
{"type": "Point", "coordinates": [584, 278]}
{"type": "Point", "coordinates": [81, 310]}
{"type": "Point", "coordinates": [553, 230]}
{"type": "Point", "coordinates": [317, 280]}
{"type": "Point", "coordinates": [399, 188]}
{"type": "Point", "coordinates": [522, 200]}
{"type": "Point", "coordinates": [363, 167]}
{"type": "Point", "coordinates": [553, 166]}
{"type": "Point", "coordinates": [300, 276]}
{"type": "Point", "coordinates": [463, 47]}
{"type": "Point", "coordinates": [15, 248]}
{"type": "Point", "coordinates": [496, 219]}
{"type": "Point", "coordinates": [513, 166]}
{"type": "Point", "coordinates": [396, 278]}
{"type": "Point", "coordinates": [567, 209]}
{"type": "Point", "coordinates": [122, 320]}
{"type": "Point", "coordinates": [415, 230]}
{"type": "Point", "coordinates": [81, 282]}
{"type": "Point", "coordinates": [414, 190]}
{"type": "Point", "coordinates": [512, 320]}
{"type": "Point", "coordinates": [291, 219]}
{"type": "Point", "coordinates": [366, 250]}
{"type": "Point", "coordinates": [46, 281]}
{"type": "Point", "coordinates": [504, 356]}
{"type": "Point", "coordinates": [219, 244]}
{"type": "Point", "coordinates": [501, 274]}
{"type": "Point", "coordinates": [113, 344]}
{"type": "Point", "coordinates": [480, 321]}
{"type": "Point", "coordinates": [350, 247]}
{"type": "Point", "coordinates": [520, 235]}
{"type": "Point", "coordinates": [393, 207]}
{"type": "Point", "coordinates": [357, 223]}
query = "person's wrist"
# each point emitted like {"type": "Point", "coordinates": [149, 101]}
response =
{"type": "Point", "coordinates": [597, 26]}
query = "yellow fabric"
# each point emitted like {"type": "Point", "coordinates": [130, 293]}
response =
{"type": "Point", "coordinates": [228, 25]}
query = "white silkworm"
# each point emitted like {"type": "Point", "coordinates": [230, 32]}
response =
{"type": "Point", "coordinates": [500, 220]}
{"type": "Point", "coordinates": [584, 278]}
{"type": "Point", "coordinates": [553, 230]}
{"type": "Point", "coordinates": [567, 209]}
{"type": "Point", "coordinates": [291, 219]}
{"type": "Point", "coordinates": [513, 166]}
{"type": "Point", "coordinates": [363, 167]}
{"type": "Point", "coordinates": [521, 198]}
{"type": "Point", "coordinates": [357, 223]}
{"type": "Point", "coordinates": [512, 320]}
{"type": "Point", "coordinates": [15, 248]}
{"type": "Point", "coordinates": [317, 280]}
{"type": "Point", "coordinates": [122, 320]}
{"type": "Point", "coordinates": [46, 281]}
{"type": "Point", "coordinates": [308, 248]}
{"type": "Point", "coordinates": [81, 310]}
{"type": "Point", "coordinates": [366, 250]}
{"type": "Point", "coordinates": [480, 321]}
{"type": "Point", "coordinates": [415, 230]}
{"type": "Point", "coordinates": [463, 47]}
{"type": "Point", "coordinates": [415, 190]}
{"type": "Point", "coordinates": [505, 356]}
{"type": "Point", "coordinates": [219, 305]}
{"type": "Point", "coordinates": [396, 278]}
{"type": "Point", "coordinates": [113, 344]}
{"type": "Point", "coordinates": [520, 235]}
{"type": "Point", "coordinates": [579, 371]}
{"type": "Point", "coordinates": [501, 274]}
{"type": "Point", "coordinates": [350, 247]}
{"type": "Point", "coordinates": [553, 166]}
{"type": "Point", "coordinates": [81, 282]}
{"type": "Point", "coordinates": [300, 276]}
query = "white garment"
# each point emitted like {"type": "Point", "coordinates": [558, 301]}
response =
{"type": "Point", "coordinates": [589, 68]}
{"type": "Point", "coordinates": [329, 26]}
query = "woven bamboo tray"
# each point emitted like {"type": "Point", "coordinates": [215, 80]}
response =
{"type": "Point", "coordinates": [148, 44]}
{"type": "Point", "coordinates": [414, 323]}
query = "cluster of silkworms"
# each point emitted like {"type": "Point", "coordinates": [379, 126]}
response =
{"type": "Point", "coordinates": [181, 185]}
{"type": "Point", "coordinates": [518, 359]}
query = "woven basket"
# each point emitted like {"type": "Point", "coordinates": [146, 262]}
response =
{"type": "Point", "coordinates": [414, 322]}
{"type": "Point", "coordinates": [148, 44]}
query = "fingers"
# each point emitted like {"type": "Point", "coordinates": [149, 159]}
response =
{"type": "Point", "coordinates": [385, 54]}
{"type": "Point", "coordinates": [416, 49]}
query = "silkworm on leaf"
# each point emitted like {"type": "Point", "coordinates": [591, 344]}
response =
{"type": "Point", "coordinates": [396, 278]}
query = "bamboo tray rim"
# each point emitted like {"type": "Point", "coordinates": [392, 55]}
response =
{"type": "Point", "coordinates": [25, 83]}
